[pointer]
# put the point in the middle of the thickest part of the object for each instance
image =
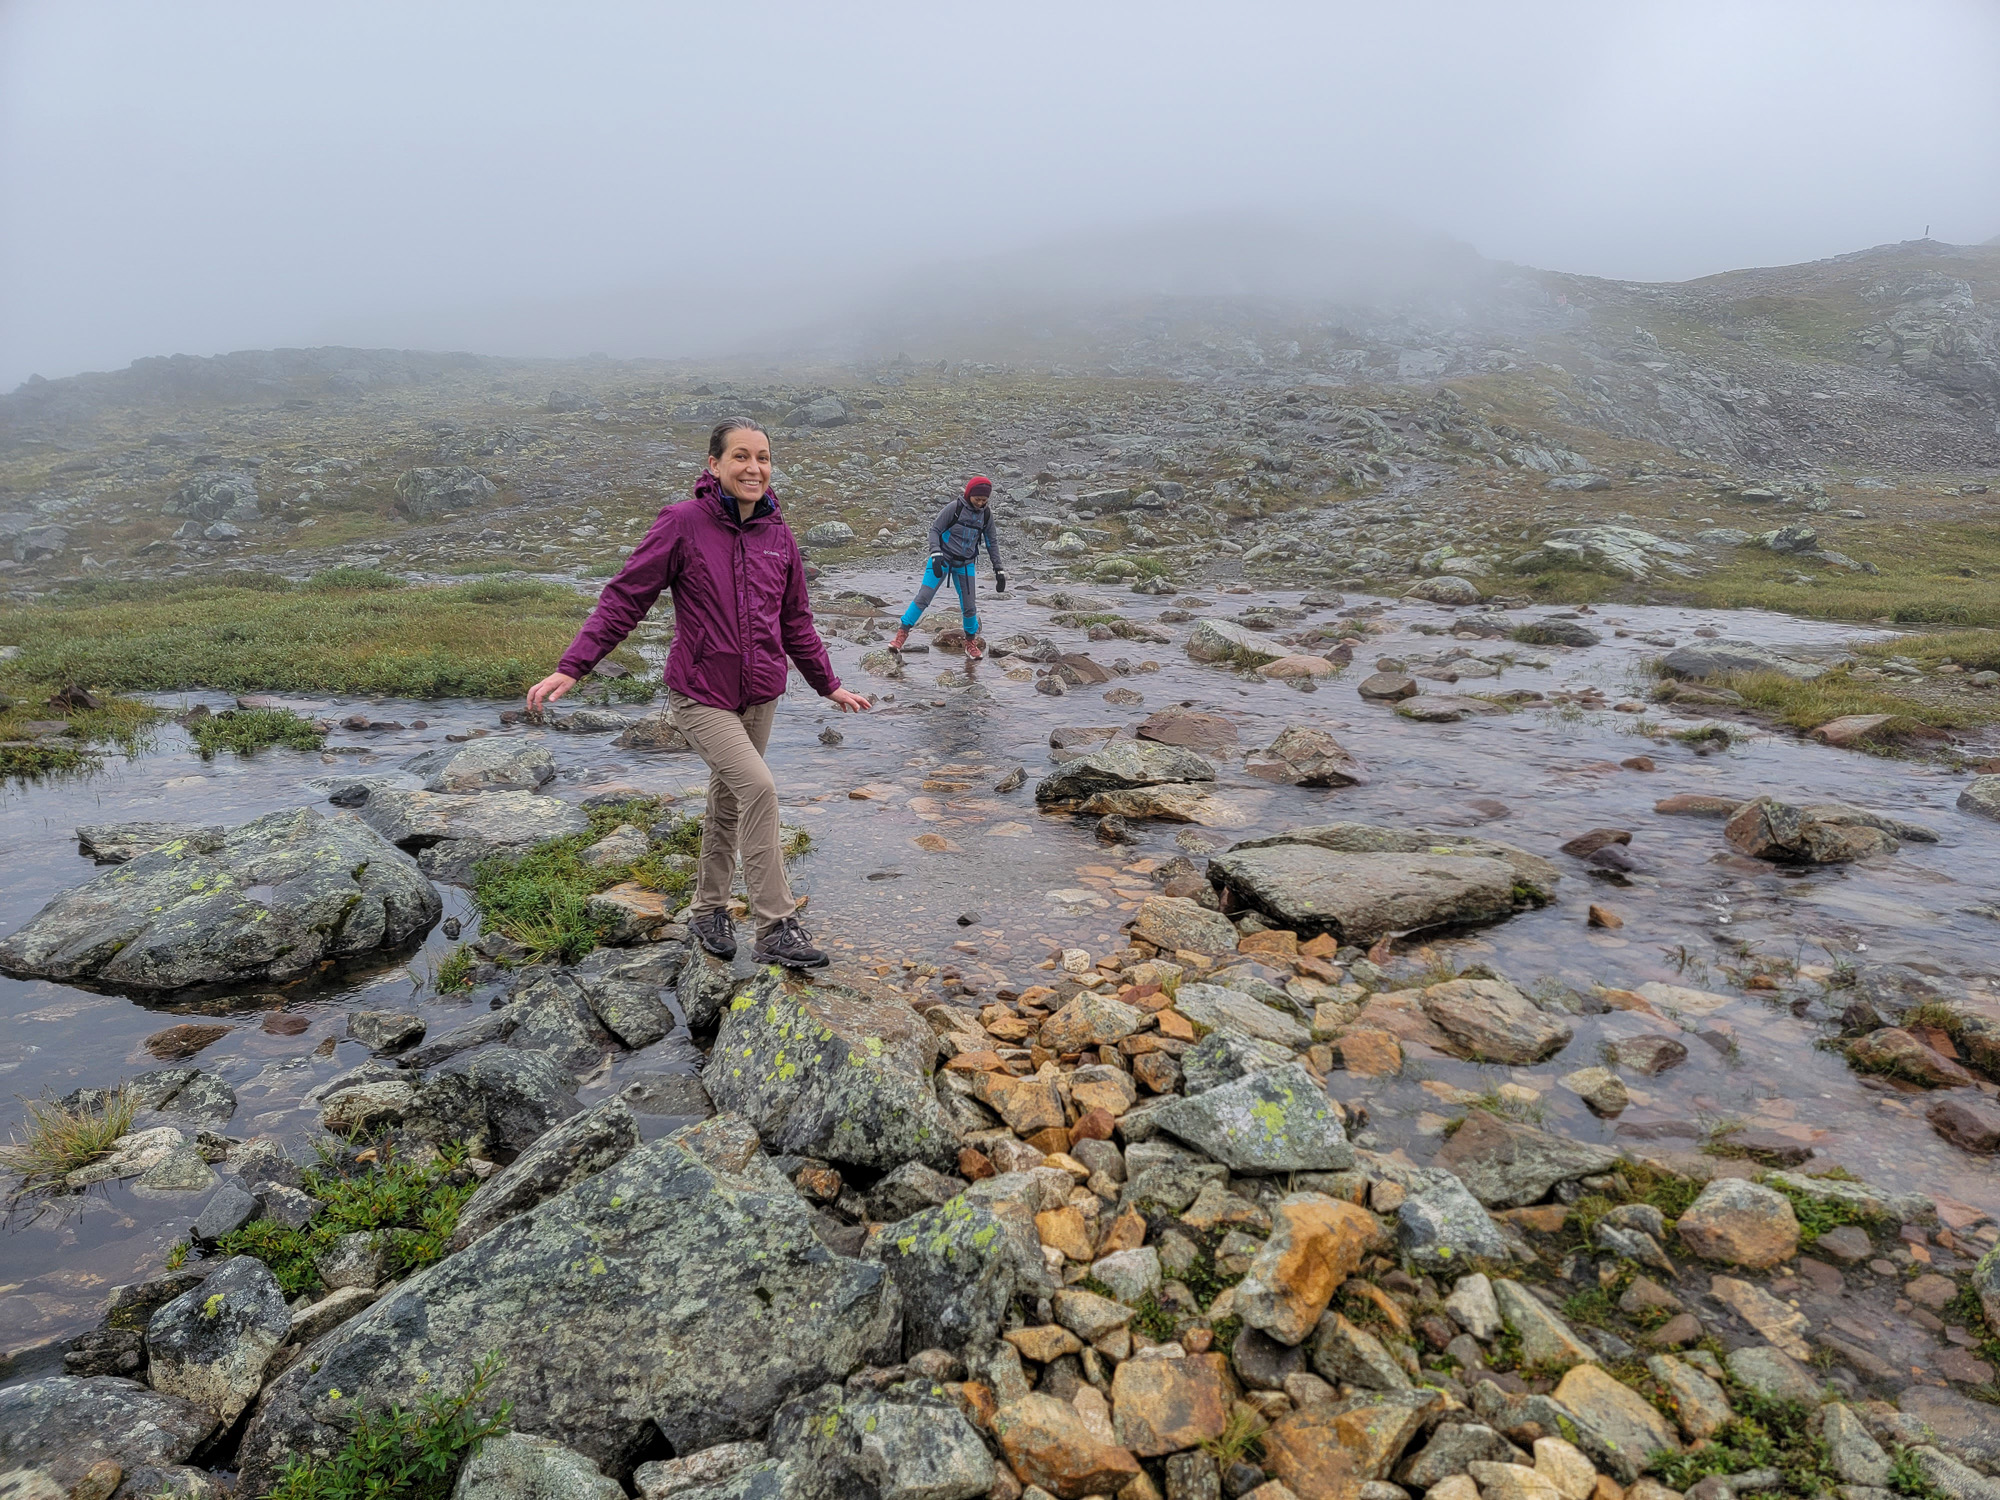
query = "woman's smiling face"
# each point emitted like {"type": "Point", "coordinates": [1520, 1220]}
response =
{"type": "Point", "coordinates": [744, 466]}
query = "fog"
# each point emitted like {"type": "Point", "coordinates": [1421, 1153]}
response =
{"type": "Point", "coordinates": [659, 180]}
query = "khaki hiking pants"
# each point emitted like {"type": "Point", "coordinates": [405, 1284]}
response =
{"type": "Point", "coordinates": [742, 808]}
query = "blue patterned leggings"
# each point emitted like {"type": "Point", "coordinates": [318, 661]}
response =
{"type": "Point", "coordinates": [962, 579]}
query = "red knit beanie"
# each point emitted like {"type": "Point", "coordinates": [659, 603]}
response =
{"type": "Point", "coordinates": [978, 484]}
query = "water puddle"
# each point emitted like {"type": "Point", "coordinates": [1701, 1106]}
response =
{"type": "Point", "coordinates": [918, 859]}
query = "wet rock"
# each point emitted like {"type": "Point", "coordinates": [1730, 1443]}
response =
{"type": "Point", "coordinates": [871, 1445]}
{"type": "Point", "coordinates": [494, 1100]}
{"type": "Point", "coordinates": [227, 1211]}
{"type": "Point", "coordinates": [1345, 1354]}
{"type": "Point", "coordinates": [385, 1030]}
{"type": "Point", "coordinates": [515, 1464]}
{"type": "Point", "coordinates": [496, 764]}
{"type": "Point", "coordinates": [1275, 1121]}
{"type": "Point", "coordinates": [1047, 1442]}
{"type": "Point", "coordinates": [115, 843]}
{"type": "Point", "coordinates": [1186, 727]}
{"type": "Point", "coordinates": [1697, 805]}
{"type": "Point", "coordinates": [1505, 1164]}
{"type": "Point", "coordinates": [1555, 633]}
{"type": "Point", "coordinates": [1444, 589]}
{"type": "Point", "coordinates": [1226, 641]}
{"type": "Point", "coordinates": [1722, 658]}
{"type": "Point", "coordinates": [1174, 923]}
{"type": "Point", "coordinates": [579, 1147]}
{"type": "Point", "coordinates": [212, 1344]}
{"type": "Point", "coordinates": [1119, 765]}
{"type": "Point", "coordinates": [1616, 1426]}
{"type": "Point", "coordinates": [1388, 687]}
{"type": "Point", "coordinates": [1969, 1123]}
{"type": "Point", "coordinates": [1545, 1338]}
{"type": "Point", "coordinates": [64, 1425]}
{"type": "Point", "coordinates": [1600, 1088]}
{"type": "Point", "coordinates": [1491, 1021]}
{"type": "Point", "coordinates": [1647, 1055]}
{"type": "Point", "coordinates": [957, 1269]}
{"type": "Point", "coordinates": [451, 832]}
{"type": "Point", "coordinates": [1741, 1223]}
{"type": "Point", "coordinates": [1160, 1406]}
{"type": "Point", "coordinates": [1900, 1055]}
{"type": "Point", "coordinates": [681, 1290]}
{"type": "Point", "coordinates": [283, 893]}
{"type": "Point", "coordinates": [1180, 803]}
{"type": "Point", "coordinates": [1778, 831]}
{"type": "Point", "coordinates": [1303, 756]}
{"type": "Point", "coordinates": [1316, 1243]}
{"type": "Point", "coordinates": [184, 1040]}
{"type": "Point", "coordinates": [832, 1074]}
{"type": "Point", "coordinates": [1981, 796]}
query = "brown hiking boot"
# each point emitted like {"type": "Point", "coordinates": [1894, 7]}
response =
{"type": "Point", "coordinates": [973, 651]}
{"type": "Point", "coordinates": [899, 639]}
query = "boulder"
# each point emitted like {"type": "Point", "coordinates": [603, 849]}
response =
{"type": "Point", "coordinates": [511, 1465]}
{"type": "Point", "coordinates": [212, 1344]}
{"type": "Point", "coordinates": [1047, 1442]}
{"type": "Point", "coordinates": [1225, 1055]}
{"type": "Point", "coordinates": [498, 764]}
{"type": "Point", "coordinates": [1981, 796]}
{"type": "Point", "coordinates": [681, 1292]}
{"type": "Point", "coordinates": [1226, 641]}
{"type": "Point", "coordinates": [1445, 588]}
{"type": "Point", "coordinates": [1388, 687]}
{"type": "Point", "coordinates": [1616, 1426]}
{"type": "Point", "coordinates": [1186, 726]}
{"type": "Point", "coordinates": [875, 1445]}
{"type": "Point", "coordinates": [216, 495]}
{"type": "Point", "coordinates": [1488, 1020]}
{"type": "Point", "coordinates": [1505, 1164]}
{"type": "Point", "coordinates": [424, 494]}
{"type": "Point", "coordinates": [829, 1073]}
{"type": "Point", "coordinates": [552, 1013]}
{"type": "Point", "coordinates": [1303, 756]}
{"type": "Point", "coordinates": [494, 1099]}
{"type": "Point", "coordinates": [830, 534]}
{"type": "Point", "coordinates": [1740, 1223]}
{"type": "Point", "coordinates": [1316, 1243]}
{"type": "Point", "coordinates": [579, 1147]}
{"type": "Point", "coordinates": [957, 1268]}
{"type": "Point", "coordinates": [1118, 765]}
{"type": "Point", "coordinates": [63, 1425]}
{"type": "Point", "coordinates": [385, 1030]}
{"type": "Point", "coordinates": [1360, 898]}
{"type": "Point", "coordinates": [1269, 1122]}
{"type": "Point", "coordinates": [1174, 923]}
{"type": "Point", "coordinates": [1768, 829]}
{"type": "Point", "coordinates": [1231, 1011]}
{"type": "Point", "coordinates": [115, 843]}
{"type": "Point", "coordinates": [449, 833]}
{"type": "Point", "coordinates": [1723, 658]}
{"type": "Point", "coordinates": [1160, 1406]}
{"type": "Point", "coordinates": [1898, 1053]}
{"type": "Point", "coordinates": [282, 894]}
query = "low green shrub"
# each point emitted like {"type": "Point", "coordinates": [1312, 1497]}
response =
{"type": "Point", "coordinates": [403, 1455]}
{"type": "Point", "coordinates": [245, 730]}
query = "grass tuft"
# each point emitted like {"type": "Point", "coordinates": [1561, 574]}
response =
{"type": "Point", "coordinates": [1242, 1437]}
{"type": "Point", "coordinates": [455, 972]}
{"type": "Point", "coordinates": [403, 1455]}
{"type": "Point", "coordinates": [62, 1138]}
{"type": "Point", "coordinates": [245, 730]}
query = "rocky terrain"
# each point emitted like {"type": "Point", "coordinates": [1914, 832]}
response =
{"type": "Point", "coordinates": [1393, 1035]}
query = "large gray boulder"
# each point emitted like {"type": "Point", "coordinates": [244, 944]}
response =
{"type": "Point", "coordinates": [451, 832]}
{"type": "Point", "coordinates": [1234, 1013]}
{"type": "Point", "coordinates": [216, 495]}
{"type": "Point", "coordinates": [62, 1425]}
{"type": "Point", "coordinates": [493, 1099]}
{"type": "Point", "coordinates": [1272, 1121]}
{"type": "Point", "coordinates": [957, 1268]}
{"type": "Point", "coordinates": [1121, 765]}
{"type": "Point", "coordinates": [1359, 898]}
{"type": "Point", "coordinates": [26, 538]}
{"type": "Point", "coordinates": [489, 765]}
{"type": "Point", "coordinates": [281, 895]}
{"type": "Point", "coordinates": [1442, 1228]}
{"type": "Point", "coordinates": [1981, 796]}
{"type": "Point", "coordinates": [115, 843]}
{"type": "Point", "coordinates": [824, 1072]}
{"type": "Point", "coordinates": [580, 1147]}
{"type": "Point", "coordinates": [1238, 645]}
{"type": "Point", "coordinates": [1304, 756]}
{"type": "Point", "coordinates": [423, 494]}
{"type": "Point", "coordinates": [212, 1344]}
{"type": "Point", "coordinates": [1722, 658]}
{"type": "Point", "coordinates": [1488, 1020]}
{"type": "Point", "coordinates": [1506, 1165]}
{"type": "Point", "coordinates": [681, 1292]}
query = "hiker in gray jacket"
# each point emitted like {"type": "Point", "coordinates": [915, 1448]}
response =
{"type": "Point", "coordinates": [956, 536]}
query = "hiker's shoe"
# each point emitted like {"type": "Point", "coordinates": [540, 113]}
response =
{"type": "Point", "coordinates": [972, 651]}
{"type": "Point", "coordinates": [900, 639]}
{"type": "Point", "coordinates": [714, 931]}
{"type": "Point", "coordinates": [789, 944]}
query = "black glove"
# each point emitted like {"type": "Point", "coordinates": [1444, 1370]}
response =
{"type": "Point", "coordinates": [999, 582]}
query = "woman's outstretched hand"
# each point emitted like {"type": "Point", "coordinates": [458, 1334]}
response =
{"type": "Point", "coordinates": [840, 698]}
{"type": "Point", "coordinates": [553, 687]}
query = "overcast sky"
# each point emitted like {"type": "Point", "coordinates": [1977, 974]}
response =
{"type": "Point", "coordinates": [194, 178]}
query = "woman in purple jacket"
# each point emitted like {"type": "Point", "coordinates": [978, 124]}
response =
{"type": "Point", "coordinates": [740, 609]}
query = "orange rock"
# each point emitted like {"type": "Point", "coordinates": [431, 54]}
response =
{"type": "Point", "coordinates": [976, 1062]}
{"type": "Point", "coordinates": [1371, 1054]}
{"type": "Point", "coordinates": [973, 1164]}
{"type": "Point", "coordinates": [1369, 1292]}
{"type": "Point", "coordinates": [1175, 1025]}
{"type": "Point", "coordinates": [1092, 1125]}
{"type": "Point", "coordinates": [1284, 944]}
{"type": "Point", "coordinates": [1198, 1340]}
{"type": "Point", "coordinates": [1049, 1341]}
{"type": "Point", "coordinates": [1046, 1442]}
{"type": "Point", "coordinates": [1323, 946]}
{"type": "Point", "coordinates": [1026, 1104]}
{"type": "Point", "coordinates": [1547, 1218]}
{"type": "Point", "coordinates": [1051, 1142]}
{"type": "Point", "coordinates": [1317, 968]}
{"type": "Point", "coordinates": [1309, 1454]}
{"type": "Point", "coordinates": [1163, 1405]}
{"type": "Point", "coordinates": [975, 1399]}
{"type": "Point", "coordinates": [1316, 1243]}
{"type": "Point", "coordinates": [1065, 1229]}
{"type": "Point", "coordinates": [1627, 1000]}
{"type": "Point", "coordinates": [1603, 916]}
{"type": "Point", "coordinates": [1127, 1232]}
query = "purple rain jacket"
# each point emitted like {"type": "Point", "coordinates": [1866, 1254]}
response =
{"type": "Point", "coordinates": [740, 606]}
